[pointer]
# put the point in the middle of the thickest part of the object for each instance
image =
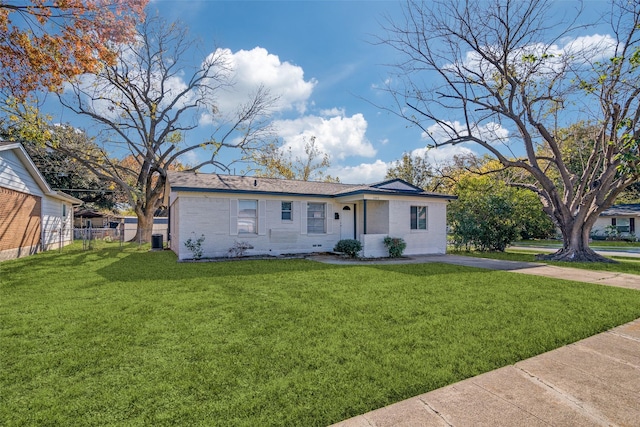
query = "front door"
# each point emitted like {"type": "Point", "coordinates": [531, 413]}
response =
{"type": "Point", "coordinates": [347, 222]}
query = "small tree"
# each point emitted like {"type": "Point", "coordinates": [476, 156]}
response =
{"type": "Point", "coordinates": [481, 217]}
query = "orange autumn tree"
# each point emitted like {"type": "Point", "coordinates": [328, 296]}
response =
{"type": "Point", "coordinates": [44, 43]}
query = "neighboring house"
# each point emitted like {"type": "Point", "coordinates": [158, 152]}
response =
{"type": "Point", "coordinates": [91, 218]}
{"type": "Point", "coordinates": [160, 226]}
{"type": "Point", "coordinates": [33, 217]}
{"type": "Point", "coordinates": [618, 220]}
{"type": "Point", "coordinates": [276, 216]}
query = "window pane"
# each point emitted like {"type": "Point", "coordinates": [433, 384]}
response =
{"type": "Point", "coordinates": [247, 208]}
{"type": "Point", "coordinates": [422, 218]}
{"type": "Point", "coordinates": [315, 218]}
{"type": "Point", "coordinates": [418, 217]}
{"type": "Point", "coordinates": [623, 225]}
{"type": "Point", "coordinates": [286, 211]}
{"type": "Point", "coordinates": [414, 217]}
{"type": "Point", "coordinates": [247, 216]}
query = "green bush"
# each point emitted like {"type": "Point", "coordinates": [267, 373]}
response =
{"type": "Point", "coordinates": [395, 245]}
{"type": "Point", "coordinates": [350, 247]}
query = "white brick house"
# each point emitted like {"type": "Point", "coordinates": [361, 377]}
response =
{"type": "Point", "coordinates": [276, 216]}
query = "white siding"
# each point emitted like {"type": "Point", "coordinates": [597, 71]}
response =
{"type": "Point", "coordinates": [213, 216]}
{"type": "Point", "coordinates": [174, 219]}
{"type": "Point", "coordinates": [15, 176]}
{"type": "Point", "coordinates": [57, 230]}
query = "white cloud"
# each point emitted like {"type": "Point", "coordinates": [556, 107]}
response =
{"type": "Point", "coordinates": [364, 173]}
{"type": "Point", "coordinates": [491, 132]}
{"type": "Point", "coordinates": [440, 155]}
{"type": "Point", "coordinates": [578, 50]}
{"type": "Point", "coordinates": [257, 67]}
{"type": "Point", "coordinates": [333, 112]}
{"type": "Point", "coordinates": [339, 136]}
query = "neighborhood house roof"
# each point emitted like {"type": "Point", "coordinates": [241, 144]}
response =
{"type": "Point", "coordinates": [201, 182]}
{"type": "Point", "coordinates": [622, 210]}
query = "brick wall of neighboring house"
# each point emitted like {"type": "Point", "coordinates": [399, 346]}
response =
{"type": "Point", "coordinates": [20, 228]}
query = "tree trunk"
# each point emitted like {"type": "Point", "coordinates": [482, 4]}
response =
{"type": "Point", "coordinates": [575, 246]}
{"type": "Point", "coordinates": [145, 226]}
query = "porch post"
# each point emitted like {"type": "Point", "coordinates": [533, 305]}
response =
{"type": "Point", "coordinates": [364, 227]}
{"type": "Point", "coordinates": [355, 221]}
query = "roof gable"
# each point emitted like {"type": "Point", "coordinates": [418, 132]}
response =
{"type": "Point", "coordinates": [398, 185]}
{"type": "Point", "coordinates": [28, 164]}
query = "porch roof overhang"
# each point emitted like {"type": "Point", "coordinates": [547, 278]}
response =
{"type": "Point", "coordinates": [388, 195]}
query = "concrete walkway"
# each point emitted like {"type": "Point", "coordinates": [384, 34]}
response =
{"type": "Point", "coordinates": [593, 382]}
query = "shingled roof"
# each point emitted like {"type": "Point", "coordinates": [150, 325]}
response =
{"type": "Point", "coordinates": [191, 181]}
{"type": "Point", "coordinates": [622, 210]}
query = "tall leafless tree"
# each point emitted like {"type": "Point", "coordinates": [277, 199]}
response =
{"type": "Point", "coordinates": [502, 74]}
{"type": "Point", "coordinates": [146, 103]}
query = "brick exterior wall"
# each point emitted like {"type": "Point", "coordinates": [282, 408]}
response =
{"type": "Point", "coordinates": [20, 222]}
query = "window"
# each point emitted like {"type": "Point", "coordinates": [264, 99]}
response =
{"type": "Point", "coordinates": [247, 216]}
{"type": "Point", "coordinates": [418, 217]}
{"type": "Point", "coordinates": [315, 218]}
{"type": "Point", "coordinates": [623, 225]}
{"type": "Point", "coordinates": [287, 211]}
{"type": "Point", "coordinates": [64, 211]}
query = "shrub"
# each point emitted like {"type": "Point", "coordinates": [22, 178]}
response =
{"type": "Point", "coordinates": [239, 248]}
{"type": "Point", "coordinates": [350, 247]}
{"type": "Point", "coordinates": [195, 246]}
{"type": "Point", "coordinates": [395, 246]}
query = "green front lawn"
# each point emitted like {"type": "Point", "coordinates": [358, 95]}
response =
{"type": "Point", "coordinates": [129, 337]}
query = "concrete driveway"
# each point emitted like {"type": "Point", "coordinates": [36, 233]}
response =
{"type": "Point", "coordinates": [593, 382]}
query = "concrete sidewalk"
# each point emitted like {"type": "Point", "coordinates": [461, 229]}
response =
{"type": "Point", "coordinates": [593, 382]}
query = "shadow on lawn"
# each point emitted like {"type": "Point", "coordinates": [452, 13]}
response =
{"type": "Point", "coordinates": [163, 266]}
{"type": "Point", "coordinates": [57, 260]}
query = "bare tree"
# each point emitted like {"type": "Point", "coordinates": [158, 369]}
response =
{"type": "Point", "coordinates": [502, 74]}
{"type": "Point", "coordinates": [147, 102]}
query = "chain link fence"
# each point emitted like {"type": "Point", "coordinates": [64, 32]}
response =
{"type": "Point", "coordinates": [93, 238]}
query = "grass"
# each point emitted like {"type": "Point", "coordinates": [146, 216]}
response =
{"type": "Point", "coordinates": [628, 265]}
{"type": "Point", "coordinates": [130, 337]}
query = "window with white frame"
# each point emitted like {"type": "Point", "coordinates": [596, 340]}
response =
{"type": "Point", "coordinates": [247, 216]}
{"type": "Point", "coordinates": [316, 218]}
{"type": "Point", "coordinates": [419, 217]}
{"type": "Point", "coordinates": [287, 211]}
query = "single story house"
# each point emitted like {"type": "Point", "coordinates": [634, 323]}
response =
{"type": "Point", "coordinates": [33, 217]}
{"type": "Point", "coordinates": [275, 216]}
{"type": "Point", "coordinates": [618, 220]}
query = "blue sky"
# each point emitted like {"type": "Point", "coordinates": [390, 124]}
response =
{"type": "Point", "coordinates": [332, 43]}
{"type": "Point", "coordinates": [322, 59]}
